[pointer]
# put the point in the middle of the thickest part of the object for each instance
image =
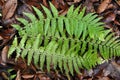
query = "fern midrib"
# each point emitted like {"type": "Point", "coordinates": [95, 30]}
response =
{"type": "Point", "coordinates": [78, 41]}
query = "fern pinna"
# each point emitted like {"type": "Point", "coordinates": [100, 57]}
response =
{"type": "Point", "coordinates": [69, 42]}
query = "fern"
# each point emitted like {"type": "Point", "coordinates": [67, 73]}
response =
{"type": "Point", "coordinates": [68, 42]}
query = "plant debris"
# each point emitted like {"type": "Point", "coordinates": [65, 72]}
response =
{"type": "Point", "coordinates": [109, 10]}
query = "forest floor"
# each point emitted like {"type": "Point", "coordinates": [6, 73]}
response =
{"type": "Point", "coordinates": [109, 10]}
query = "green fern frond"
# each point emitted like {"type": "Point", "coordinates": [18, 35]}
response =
{"type": "Point", "coordinates": [69, 42]}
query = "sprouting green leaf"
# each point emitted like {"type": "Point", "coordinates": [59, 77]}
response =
{"type": "Point", "coordinates": [67, 25]}
{"type": "Point", "coordinates": [79, 29]}
{"type": "Point", "coordinates": [54, 10]}
{"type": "Point", "coordinates": [30, 56]}
{"type": "Point", "coordinates": [47, 24]}
{"type": "Point", "coordinates": [36, 57]}
{"type": "Point", "coordinates": [16, 26]}
{"type": "Point", "coordinates": [38, 12]}
{"type": "Point", "coordinates": [23, 21]}
{"type": "Point", "coordinates": [36, 42]}
{"type": "Point", "coordinates": [81, 14]}
{"type": "Point", "coordinates": [31, 16]}
{"type": "Point", "coordinates": [13, 47]}
{"type": "Point", "coordinates": [84, 45]}
{"type": "Point", "coordinates": [60, 25]}
{"type": "Point", "coordinates": [75, 13]}
{"type": "Point", "coordinates": [22, 42]}
{"type": "Point", "coordinates": [27, 48]}
{"type": "Point", "coordinates": [60, 63]}
{"type": "Point", "coordinates": [72, 26]}
{"type": "Point", "coordinates": [47, 12]}
{"type": "Point", "coordinates": [65, 66]}
{"type": "Point", "coordinates": [70, 11]}
{"type": "Point", "coordinates": [53, 26]}
{"type": "Point", "coordinates": [88, 17]}
{"type": "Point", "coordinates": [76, 66]}
{"type": "Point", "coordinates": [65, 47]}
{"type": "Point", "coordinates": [42, 60]}
{"type": "Point", "coordinates": [70, 64]}
{"type": "Point", "coordinates": [46, 41]}
{"type": "Point", "coordinates": [48, 60]}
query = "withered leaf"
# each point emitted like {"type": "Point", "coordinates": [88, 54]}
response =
{"type": "Point", "coordinates": [109, 17]}
{"type": "Point", "coordinates": [4, 55]}
{"type": "Point", "coordinates": [27, 76]}
{"type": "Point", "coordinates": [103, 6]}
{"type": "Point", "coordinates": [6, 35]}
{"type": "Point", "coordinates": [1, 2]}
{"type": "Point", "coordinates": [77, 1]}
{"type": "Point", "coordinates": [8, 9]}
{"type": "Point", "coordinates": [18, 75]}
{"type": "Point", "coordinates": [118, 2]}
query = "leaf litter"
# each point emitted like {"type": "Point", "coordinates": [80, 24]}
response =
{"type": "Point", "coordinates": [12, 9]}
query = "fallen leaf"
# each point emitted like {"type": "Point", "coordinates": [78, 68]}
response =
{"type": "Point", "coordinates": [4, 75]}
{"type": "Point", "coordinates": [103, 6]}
{"type": "Point", "coordinates": [45, 3]}
{"type": "Point", "coordinates": [118, 2]}
{"type": "Point", "coordinates": [35, 3]}
{"type": "Point", "coordinates": [89, 6]}
{"type": "Point", "coordinates": [21, 64]}
{"type": "Point", "coordinates": [104, 78]}
{"type": "Point", "coordinates": [6, 35]}
{"type": "Point", "coordinates": [75, 1]}
{"type": "Point", "coordinates": [1, 38]}
{"type": "Point", "coordinates": [113, 70]}
{"type": "Point", "coordinates": [4, 55]}
{"type": "Point", "coordinates": [24, 8]}
{"type": "Point", "coordinates": [27, 76]}
{"type": "Point", "coordinates": [8, 9]}
{"type": "Point", "coordinates": [55, 3]}
{"type": "Point", "coordinates": [8, 22]}
{"type": "Point", "coordinates": [62, 4]}
{"type": "Point", "coordinates": [109, 17]}
{"type": "Point", "coordinates": [2, 2]}
{"type": "Point", "coordinates": [18, 75]}
{"type": "Point", "coordinates": [116, 22]}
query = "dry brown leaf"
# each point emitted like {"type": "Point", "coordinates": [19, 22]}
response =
{"type": "Point", "coordinates": [116, 66]}
{"type": "Point", "coordinates": [4, 55]}
{"type": "Point", "coordinates": [90, 79]}
{"type": "Point", "coordinates": [21, 64]}
{"type": "Point", "coordinates": [4, 76]}
{"type": "Point", "coordinates": [8, 9]}
{"type": "Point", "coordinates": [2, 2]}
{"type": "Point", "coordinates": [6, 35]}
{"type": "Point", "coordinates": [118, 2]}
{"type": "Point", "coordinates": [18, 75]}
{"type": "Point", "coordinates": [45, 3]}
{"type": "Point", "coordinates": [75, 1]}
{"type": "Point", "coordinates": [55, 3]}
{"type": "Point", "coordinates": [24, 8]}
{"type": "Point", "coordinates": [103, 78]}
{"type": "Point", "coordinates": [109, 17]}
{"type": "Point", "coordinates": [1, 38]}
{"type": "Point", "coordinates": [27, 76]}
{"type": "Point", "coordinates": [35, 3]}
{"type": "Point", "coordinates": [103, 6]}
{"type": "Point", "coordinates": [116, 22]}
